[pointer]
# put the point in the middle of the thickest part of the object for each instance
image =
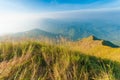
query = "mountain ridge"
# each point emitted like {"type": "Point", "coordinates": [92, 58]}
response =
{"type": "Point", "coordinates": [34, 33]}
{"type": "Point", "coordinates": [37, 33]}
{"type": "Point", "coordinates": [77, 29]}
{"type": "Point", "coordinates": [94, 41]}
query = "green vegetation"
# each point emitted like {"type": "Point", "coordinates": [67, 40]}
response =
{"type": "Point", "coordinates": [37, 60]}
{"type": "Point", "coordinates": [97, 47]}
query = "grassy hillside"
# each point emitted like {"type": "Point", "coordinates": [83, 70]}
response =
{"type": "Point", "coordinates": [37, 60]}
{"type": "Point", "coordinates": [98, 48]}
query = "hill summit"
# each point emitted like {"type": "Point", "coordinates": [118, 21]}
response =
{"type": "Point", "coordinates": [97, 47]}
{"type": "Point", "coordinates": [93, 41]}
{"type": "Point", "coordinates": [93, 38]}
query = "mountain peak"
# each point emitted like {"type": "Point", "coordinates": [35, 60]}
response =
{"type": "Point", "coordinates": [36, 29]}
{"type": "Point", "coordinates": [93, 38]}
{"type": "Point", "coordinates": [94, 41]}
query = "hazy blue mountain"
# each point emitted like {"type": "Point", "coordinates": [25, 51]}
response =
{"type": "Point", "coordinates": [37, 33]}
{"type": "Point", "coordinates": [34, 33]}
{"type": "Point", "coordinates": [76, 29]}
{"type": "Point", "coordinates": [73, 33]}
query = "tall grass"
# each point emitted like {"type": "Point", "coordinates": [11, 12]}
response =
{"type": "Point", "coordinates": [37, 60]}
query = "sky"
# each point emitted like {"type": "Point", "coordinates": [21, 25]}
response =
{"type": "Point", "coordinates": [22, 15]}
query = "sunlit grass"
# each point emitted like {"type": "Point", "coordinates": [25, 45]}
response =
{"type": "Point", "coordinates": [49, 60]}
{"type": "Point", "coordinates": [96, 48]}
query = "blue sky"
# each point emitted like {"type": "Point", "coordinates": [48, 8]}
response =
{"type": "Point", "coordinates": [21, 15]}
{"type": "Point", "coordinates": [64, 5]}
{"type": "Point", "coordinates": [56, 5]}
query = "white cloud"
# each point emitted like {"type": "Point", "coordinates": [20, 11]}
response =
{"type": "Point", "coordinates": [14, 17]}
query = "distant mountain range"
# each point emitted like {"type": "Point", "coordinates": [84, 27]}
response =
{"type": "Point", "coordinates": [37, 33]}
{"type": "Point", "coordinates": [74, 29]}
{"type": "Point", "coordinates": [78, 29]}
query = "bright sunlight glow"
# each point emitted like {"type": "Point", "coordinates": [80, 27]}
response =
{"type": "Point", "coordinates": [11, 23]}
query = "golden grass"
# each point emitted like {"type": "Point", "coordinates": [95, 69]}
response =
{"type": "Point", "coordinates": [92, 47]}
{"type": "Point", "coordinates": [62, 60]}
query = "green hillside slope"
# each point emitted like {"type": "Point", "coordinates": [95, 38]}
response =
{"type": "Point", "coordinates": [35, 60]}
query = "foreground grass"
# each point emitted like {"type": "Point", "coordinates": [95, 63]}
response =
{"type": "Point", "coordinates": [34, 60]}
